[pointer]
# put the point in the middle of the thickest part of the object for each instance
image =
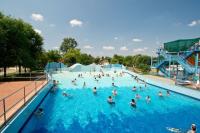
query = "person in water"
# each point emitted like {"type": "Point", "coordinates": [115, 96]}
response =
{"type": "Point", "coordinates": [84, 84]}
{"type": "Point", "coordinates": [134, 88]}
{"type": "Point", "coordinates": [66, 94]}
{"type": "Point", "coordinates": [110, 100]}
{"type": "Point", "coordinates": [145, 84]}
{"type": "Point", "coordinates": [193, 129]}
{"type": "Point", "coordinates": [148, 99]}
{"type": "Point", "coordinates": [114, 92]}
{"type": "Point", "coordinates": [160, 94]}
{"type": "Point", "coordinates": [94, 90]}
{"type": "Point", "coordinates": [54, 86]}
{"type": "Point", "coordinates": [168, 93]}
{"type": "Point", "coordinates": [113, 84]}
{"type": "Point", "coordinates": [133, 103]}
{"type": "Point", "coordinates": [137, 96]}
{"type": "Point", "coordinates": [39, 112]}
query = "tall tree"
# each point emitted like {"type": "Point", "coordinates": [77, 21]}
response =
{"type": "Point", "coordinates": [68, 43]}
{"type": "Point", "coordinates": [53, 56]}
{"type": "Point", "coordinates": [16, 45]}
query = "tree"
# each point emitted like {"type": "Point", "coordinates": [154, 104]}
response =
{"type": "Point", "coordinates": [16, 47]}
{"type": "Point", "coordinates": [86, 59]}
{"type": "Point", "coordinates": [72, 56]}
{"type": "Point", "coordinates": [53, 56]}
{"type": "Point", "coordinates": [117, 59]}
{"type": "Point", "coordinates": [68, 43]}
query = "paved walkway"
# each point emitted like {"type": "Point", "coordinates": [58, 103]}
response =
{"type": "Point", "coordinates": [168, 85]}
{"type": "Point", "coordinates": [14, 93]}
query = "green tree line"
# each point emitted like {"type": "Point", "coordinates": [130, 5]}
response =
{"type": "Point", "coordinates": [21, 46]}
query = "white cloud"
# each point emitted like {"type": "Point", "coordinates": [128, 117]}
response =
{"type": "Point", "coordinates": [137, 50]}
{"type": "Point", "coordinates": [75, 22]}
{"type": "Point", "coordinates": [124, 48]}
{"type": "Point", "coordinates": [56, 47]}
{"type": "Point", "coordinates": [116, 38]}
{"type": "Point", "coordinates": [38, 31]}
{"type": "Point", "coordinates": [108, 47]}
{"type": "Point", "coordinates": [37, 17]}
{"type": "Point", "coordinates": [136, 40]}
{"type": "Point", "coordinates": [52, 25]}
{"type": "Point", "coordinates": [194, 23]}
{"type": "Point", "coordinates": [88, 47]}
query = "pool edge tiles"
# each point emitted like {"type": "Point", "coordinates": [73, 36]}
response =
{"type": "Point", "coordinates": [18, 121]}
{"type": "Point", "coordinates": [177, 89]}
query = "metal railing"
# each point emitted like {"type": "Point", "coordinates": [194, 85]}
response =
{"type": "Point", "coordinates": [13, 102]}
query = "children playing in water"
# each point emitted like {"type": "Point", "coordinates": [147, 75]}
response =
{"type": "Point", "coordinates": [148, 99]}
{"type": "Point", "coordinates": [94, 90]}
{"type": "Point", "coordinates": [110, 100]}
{"type": "Point", "coordinates": [137, 96]}
{"type": "Point", "coordinates": [133, 103]}
{"type": "Point", "coordinates": [134, 88]}
{"type": "Point", "coordinates": [114, 92]}
{"type": "Point", "coordinates": [160, 94]}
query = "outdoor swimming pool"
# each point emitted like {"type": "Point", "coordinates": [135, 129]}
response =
{"type": "Point", "coordinates": [86, 112]}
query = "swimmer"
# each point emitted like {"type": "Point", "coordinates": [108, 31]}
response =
{"type": "Point", "coordinates": [160, 94]}
{"type": "Point", "coordinates": [114, 92]}
{"type": "Point", "coordinates": [113, 84]}
{"type": "Point", "coordinates": [94, 90]}
{"type": "Point", "coordinates": [145, 84]}
{"type": "Point", "coordinates": [140, 88]}
{"type": "Point", "coordinates": [112, 78]}
{"type": "Point", "coordinates": [134, 88]}
{"type": "Point", "coordinates": [148, 99]}
{"type": "Point", "coordinates": [84, 84]}
{"type": "Point", "coordinates": [168, 93]}
{"type": "Point", "coordinates": [53, 89]}
{"type": "Point", "coordinates": [39, 112]}
{"type": "Point", "coordinates": [137, 96]}
{"type": "Point", "coordinates": [110, 100]}
{"type": "Point", "coordinates": [133, 103]}
{"type": "Point", "coordinates": [193, 129]}
{"type": "Point", "coordinates": [66, 95]}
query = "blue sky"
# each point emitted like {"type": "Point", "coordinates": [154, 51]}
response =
{"type": "Point", "coordinates": [107, 27]}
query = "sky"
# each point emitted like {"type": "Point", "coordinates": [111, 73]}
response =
{"type": "Point", "coordinates": [107, 27]}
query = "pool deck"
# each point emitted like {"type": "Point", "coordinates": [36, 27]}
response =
{"type": "Point", "coordinates": [169, 85]}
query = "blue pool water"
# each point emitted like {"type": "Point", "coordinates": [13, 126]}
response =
{"type": "Point", "coordinates": [89, 113]}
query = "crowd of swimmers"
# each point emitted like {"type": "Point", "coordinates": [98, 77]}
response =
{"type": "Point", "coordinates": [110, 100]}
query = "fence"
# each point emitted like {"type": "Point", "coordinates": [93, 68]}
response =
{"type": "Point", "coordinates": [10, 104]}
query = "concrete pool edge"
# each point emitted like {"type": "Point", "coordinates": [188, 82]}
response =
{"type": "Point", "coordinates": [177, 89]}
{"type": "Point", "coordinates": [18, 121]}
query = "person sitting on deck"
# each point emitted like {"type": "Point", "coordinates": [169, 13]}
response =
{"type": "Point", "coordinates": [160, 94]}
{"type": "Point", "coordinates": [94, 90]}
{"type": "Point", "coordinates": [110, 100]}
{"type": "Point", "coordinates": [133, 103]}
{"type": "Point", "coordinates": [114, 92]}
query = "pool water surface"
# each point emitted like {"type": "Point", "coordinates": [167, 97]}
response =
{"type": "Point", "coordinates": [86, 112]}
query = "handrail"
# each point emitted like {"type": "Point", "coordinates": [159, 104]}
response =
{"type": "Point", "coordinates": [21, 88]}
{"type": "Point", "coordinates": [7, 105]}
